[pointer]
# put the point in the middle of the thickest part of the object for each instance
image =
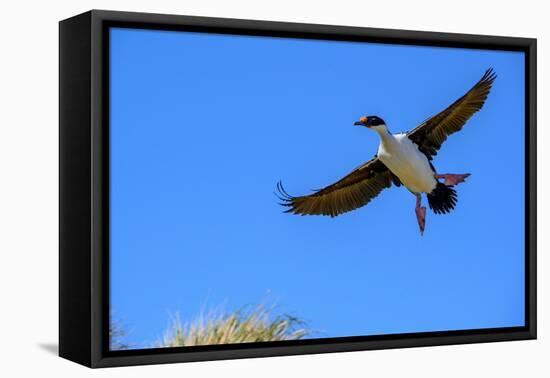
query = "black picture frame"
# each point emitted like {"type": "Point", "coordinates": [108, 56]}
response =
{"type": "Point", "coordinates": [84, 188]}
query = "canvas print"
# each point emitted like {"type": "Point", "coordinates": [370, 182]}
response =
{"type": "Point", "coordinates": [267, 189]}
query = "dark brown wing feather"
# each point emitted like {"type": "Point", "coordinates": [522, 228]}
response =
{"type": "Point", "coordinates": [351, 192]}
{"type": "Point", "coordinates": [431, 134]}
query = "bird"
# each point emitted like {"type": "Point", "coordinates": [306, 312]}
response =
{"type": "Point", "coordinates": [403, 159]}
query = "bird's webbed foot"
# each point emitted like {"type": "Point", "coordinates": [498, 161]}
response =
{"type": "Point", "coordinates": [452, 178]}
{"type": "Point", "coordinates": [420, 212]}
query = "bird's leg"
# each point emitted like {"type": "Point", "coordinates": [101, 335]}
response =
{"type": "Point", "coordinates": [452, 179]}
{"type": "Point", "coordinates": [420, 214]}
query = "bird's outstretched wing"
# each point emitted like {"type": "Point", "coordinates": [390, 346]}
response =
{"type": "Point", "coordinates": [351, 192]}
{"type": "Point", "coordinates": [431, 134]}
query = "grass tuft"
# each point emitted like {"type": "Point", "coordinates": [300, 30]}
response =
{"type": "Point", "coordinates": [117, 334]}
{"type": "Point", "coordinates": [248, 325]}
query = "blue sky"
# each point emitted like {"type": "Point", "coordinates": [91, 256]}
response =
{"type": "Point", "coordinates": [202, 128]}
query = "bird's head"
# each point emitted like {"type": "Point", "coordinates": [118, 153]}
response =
{"type": "Point", "coordinates": [372, 122]}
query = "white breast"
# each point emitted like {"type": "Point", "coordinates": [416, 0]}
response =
{"type": "Point", "coordinates": [404, 159]}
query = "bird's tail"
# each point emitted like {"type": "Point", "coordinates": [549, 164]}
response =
{"type": "Point", "coordinates": [442, 199]}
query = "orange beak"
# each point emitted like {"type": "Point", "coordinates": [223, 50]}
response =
{"type": "Point", "coordinates": [362, 121]}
